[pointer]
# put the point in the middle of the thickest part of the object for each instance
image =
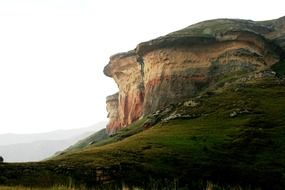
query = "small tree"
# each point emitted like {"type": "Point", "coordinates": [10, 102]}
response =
{"type": "Point", "coordinates": [1, 159]}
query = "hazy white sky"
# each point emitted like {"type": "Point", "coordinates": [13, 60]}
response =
{"type": "Point", "coordinates": [52, 52]}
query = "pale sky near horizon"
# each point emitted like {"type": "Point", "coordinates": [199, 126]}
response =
{"type": "Point", "coordinates": [52, 52]}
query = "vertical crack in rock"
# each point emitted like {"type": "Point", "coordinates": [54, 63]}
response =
{"type": "Point", "coordinates": [141, 62]}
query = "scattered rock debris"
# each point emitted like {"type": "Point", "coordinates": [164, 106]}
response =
{"type": "Point", "coordinates": [191, 103]}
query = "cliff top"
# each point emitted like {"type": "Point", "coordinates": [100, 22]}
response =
{"type": "Point", "coordinates": [213, 27]}
{"type": "Point", "coordinates": [210, 30]}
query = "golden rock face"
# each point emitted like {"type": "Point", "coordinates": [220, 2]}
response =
{"type": "Point", "coordinates": [170, 70]}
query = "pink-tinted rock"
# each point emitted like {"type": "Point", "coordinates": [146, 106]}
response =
{"type": "Point", "coordinates": [126, 71]}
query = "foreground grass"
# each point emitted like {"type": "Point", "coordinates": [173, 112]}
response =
{"type": "Point", "coordinates": [209, 186]}
{"type": "Point", "coordinates": [30, 188]}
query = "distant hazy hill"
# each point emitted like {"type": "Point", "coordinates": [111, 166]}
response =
{"type": "Point", "coordinates": [10, 138]}
{"type": "Point", "coordinates": [36, 147]}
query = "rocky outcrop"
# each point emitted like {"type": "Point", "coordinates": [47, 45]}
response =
{"type": "Point", "coordinates": [178, 66]}
{"type": "Point", "coordinates": [128, 106]}
{"type": "Point", "coordinates": [176, 72]}
{"type": "Point", "coordinates": [112, 103]}
{"type": "Point", "coordinates": [278, 31]}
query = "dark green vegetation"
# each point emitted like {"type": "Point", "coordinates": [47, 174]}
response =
{"type": "Point", "coordinates": [236, 135]}
{"type": "Point", "coordinates": [279, 68]}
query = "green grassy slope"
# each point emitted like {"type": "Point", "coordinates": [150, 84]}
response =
{"type": "Point", "coordinates": [92, 139]}
{"type": "Point", "coordinates": [235, 135]}
{"type": "Point", "coordinates": [247, 147]}
{"type": "Point", "coordinates": [101, 137]}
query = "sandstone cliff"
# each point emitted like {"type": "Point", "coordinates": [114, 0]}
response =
{"type": "Point", "coordinates": [178, 66]}
{"type": "Point", "coordinates": [127, 105]}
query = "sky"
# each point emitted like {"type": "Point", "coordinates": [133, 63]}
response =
{"type": "Point", "coordinates": [52, 52]}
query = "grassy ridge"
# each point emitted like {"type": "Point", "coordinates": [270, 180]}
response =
{"type": "Point", "coordinates": [101, 137]}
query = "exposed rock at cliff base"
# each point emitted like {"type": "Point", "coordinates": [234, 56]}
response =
{"type": "Point", "coordinates": [113, 115]}
{"type": "Point", "coordinates": [178, 66]}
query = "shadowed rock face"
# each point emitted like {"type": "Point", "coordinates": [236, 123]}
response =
{"type": "Point", "coordinates": [278, 31]}
{"type": "Point", "coordinates": [178, 66]}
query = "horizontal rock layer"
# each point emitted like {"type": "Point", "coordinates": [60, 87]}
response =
{"type": "Point", "coordinates": [176, 67]}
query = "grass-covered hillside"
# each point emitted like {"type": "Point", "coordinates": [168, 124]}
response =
{"type": "Point", "coordinates": [234, 135]}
